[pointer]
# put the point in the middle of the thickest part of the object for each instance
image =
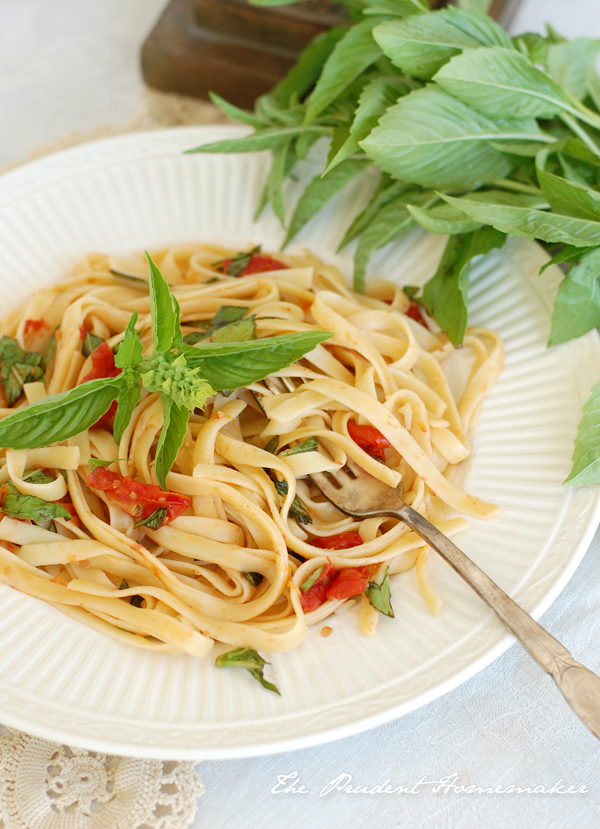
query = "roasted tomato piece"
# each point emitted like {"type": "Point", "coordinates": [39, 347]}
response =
{"type": "Point", "coordinates": [341, 541]}
{"type": "Point", "coordinates": [414, 312]}
{"type": "Point", "coordinates": [257, 264]}
{"type": "Point", "coordinates": [317, 593]}
{"type": "Point", "coordinates": [349, 582]}
{"type": "Point", "coordinates": [135, 498]}
{"type": "Point", "coordinates": [369, 438]}
{"type": "Point", "coordinates": [103, 365]}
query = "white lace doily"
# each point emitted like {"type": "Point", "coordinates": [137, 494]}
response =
{"type": "Point", "coordinates": [48, 786]}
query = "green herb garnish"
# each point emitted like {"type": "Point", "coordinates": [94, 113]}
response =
{"type": "Point", "coordinates": [309, 445]}
{"type": "Point", "coordinates": [306, 585]}
{"type": "Point", "coordinates": [90, 343]}
{"type": "Point", "coordinates": [379, 596]}
{"type": "Point", "coordinates": [37, 476]}
{"type": "Point", "coordinates": [17, 367]}
{"type": "Point", "coordinates": [184, 376]}
{"type": "Point", "coordinates": [238, 263]}
{"type": "Point", "coordinates": [248, 659]}
{"type": "Point", "coordinates": [15, 505]}
{"type": "Point", "coordinates": [154, 521]}
{"type": "Point", "coordinates": [254, 578]}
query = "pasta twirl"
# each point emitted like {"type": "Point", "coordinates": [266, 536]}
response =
{"type": "Point", "coordinates": [242, 549]}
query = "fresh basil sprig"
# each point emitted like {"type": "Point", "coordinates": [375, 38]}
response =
{"type": "Point", "coordinates": [17, 367]}
{"type": "Point", "coordinates": [184, 377]}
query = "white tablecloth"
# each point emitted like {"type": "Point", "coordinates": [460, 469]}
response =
{"type": "Point", "coordinates": [73, 66]}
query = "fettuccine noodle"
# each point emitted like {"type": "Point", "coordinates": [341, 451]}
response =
{"type": "Point", "coordinates": [381, 368]}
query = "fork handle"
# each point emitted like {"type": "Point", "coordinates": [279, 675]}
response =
{"type": "Point", "coordinates": [579, 686]}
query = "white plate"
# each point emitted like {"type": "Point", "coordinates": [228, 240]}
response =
{"type": "Point", "coordinates": [64, 682]}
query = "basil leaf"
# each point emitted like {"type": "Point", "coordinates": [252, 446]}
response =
{"type": "Point", "coordinates": [309, 445]}
{"type": "Point", "coordinates": [432, 139]}
{"type": "Point", "coordinates": [196, 337]}
{"type": "Point", "coordinates": [131, 349]}
{"type": "Point", "coordinates": [384, 194]}
{"type": "Point", "coordinates": [502, 83]}
{"type": "Point", "coordinates": [297, 510]}
{"type": "Point", "coordinates": [238, 263]}
{"type": "Point", "coordinates": [236, 113]}
{"type": "Point", "coordinates": [94, 463]}
{"type": "Point", "coordinates": [572, 65]}
{"type": "Point", "coordinates": [568, 197]}
{"type": "Point", "coordinates": [90, 343]}
{"type": "Point", "coordinates": [379, 596]}
{"type": "Point", "coordinates": [586, 454]}
{"type": "Point", "coordinates": [577, 304]}
{"type": "Point", "coordinates": [248, 659]}
{"type": "Point", "coordinates": [422, 43]}
{"type": "Point", "coordinates": [267, 139]}
{"type": "Point", "coordinates": [445, 294]}
{"type": "Point", "coordinates": [283, 160]}
{"type": "Point", "coordinates": [389, 224]}
{"type": "Point", "coordinates": [375, 98]}
{"type": "Point", "coordinates": [165, 322]}
{"type": "Point", "coordinates": [227, 314]}
{"type": "Point", "coordinates": [128, 359]}
{"type": "Point", "coordinates": [155, 520]}
{"type": "Point", "coordinates": [443, 219]}
{"type": "Point", "coordinates": [306, 585]}
{"type": "Point", "coordinates": [307, 68]}
{"type": "Point", "coordinates": [59, 416]}
{"type": "Point", "coordinates": [400, 8]}
{"type": "Point", "coordinates": [130, 278]}
{"type": "Point", "coordinates": [236, 332]}
{"type": "Point", "coordinates": [481, 6]}
{"type": "Point", "coordinates": [231, 365]}
{"type": "Point", "coordinates": [123, 585]}
{"type": "Point", "coordinates": [568, 254]}
{"type": "Point", "coordinates": [29, 507]}
{"type": "Point", "coordinates": [354, 53]}
{"type": "Point", "coordinates": [320, 190]}
{"type": "Point", "coordinates": [171, 437]}
{"type": "Point", "coordinates": [254, 578]}
{"type": "Point", "coordinates": [37, 476]}
{"type": "Point", "coordinates": [272, 445]}
{"type": "Point", "coordinates": [17, 367]}
{"type": "Point", "coordinates": [49, 350]}
{"type": "Point", "coordinates": [493, 207]}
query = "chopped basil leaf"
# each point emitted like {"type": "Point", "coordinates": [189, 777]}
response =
{"type": "Point", "coordinates": [17, 367]}
{"type": "Point", "coordinates": [37, 476]}
{"type": "Point", "coordinates": [94, 463]}
{"type": "Point", "coordinates": [379, 596]}
{"type": "Point", "coordinates": [229, 313]}
{"type": "Point", "coordinates": [411, 290]}
{"type": "Point", "coordinates": [297, 511]}
{"type": "Point", "coordinates": [90, 343]}
{"type": "Point", "coordinates": [308, 445]}
{"type": "Point", "coordinates": [195, 337]}
{"type": "Point", "coordinates": [154, 521]}
{"type": "Point", "coordinates": [16, 505]}
{"type": "Point", "coordinates": [123, 585]}
{"type": "Point", "coordinates": [248, 659]}
{"type": "Point", "coordinates": [238, 263]}
{"type": "Point", "coordinates": [136, 601]}
{"type": "Point", "coordinates": [272, 445]}
{"type": "Point", "coordinates": [254, 578]}
{"type": "Point", "coordinates": [49, 350]}
{"type": "Point", "coordinates": [129, 276]}
{"type": "Point", "coordinates": [306, 585]}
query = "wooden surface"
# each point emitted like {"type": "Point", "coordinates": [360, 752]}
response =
{"type": "Point", "coordinates": [232, 48]}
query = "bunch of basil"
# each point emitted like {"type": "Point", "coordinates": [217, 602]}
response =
{"type": "Point", "coordinates": [476, 134]}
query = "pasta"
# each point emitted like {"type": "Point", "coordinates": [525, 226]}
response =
{"type": "Point", "coordinates": [244, 551]}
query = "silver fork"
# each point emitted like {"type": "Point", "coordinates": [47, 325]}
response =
{"type": "Point", "coordinates": [355, 492]}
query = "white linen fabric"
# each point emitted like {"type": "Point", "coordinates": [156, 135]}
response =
{"type": "Point", "coordinates": [70, 66]}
